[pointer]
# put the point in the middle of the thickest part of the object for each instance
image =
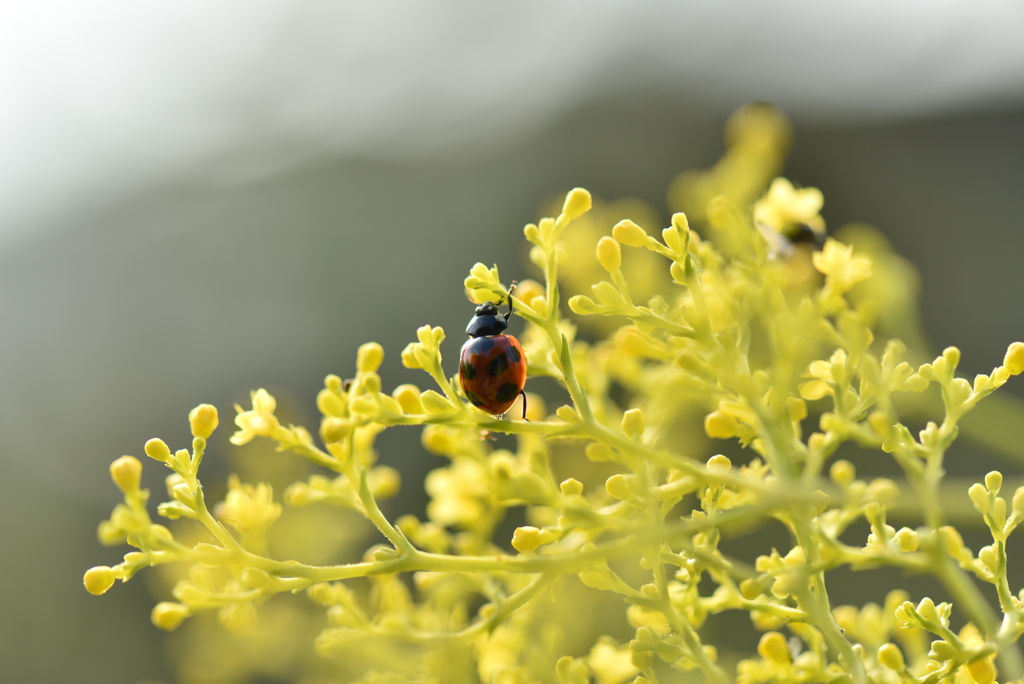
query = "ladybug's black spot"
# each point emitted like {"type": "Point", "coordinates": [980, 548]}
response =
{"type": "Point", "coordinates": [497, 366]}
{"type": "Point", "coordinates": [482, 345]}
{"type": "Point", "coordinates": [473, 399]}
{"type": "Point", "coordinates": [513, 351]}
{"type": "Point", "coordinates": [468, 370]}
{"type": "Point", "coordinates": [507, 392]}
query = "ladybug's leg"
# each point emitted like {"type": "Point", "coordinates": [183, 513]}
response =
{"type": "Point", "coordinates": [510, 291]}
{"type": "Point", "coordinates": [523, 392]}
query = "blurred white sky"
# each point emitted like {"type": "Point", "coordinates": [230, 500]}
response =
{"type": "Point", "coordinates": [99, 99]}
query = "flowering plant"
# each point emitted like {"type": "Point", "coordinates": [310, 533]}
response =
{"type": "Point", "coordinates": [743, 326]}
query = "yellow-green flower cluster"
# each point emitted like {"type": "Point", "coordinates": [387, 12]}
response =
{"type": "Point", "coordinates": [775, 356]}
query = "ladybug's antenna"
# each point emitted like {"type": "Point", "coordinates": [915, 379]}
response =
{"type": "Point", "coordinates": [510, 291]}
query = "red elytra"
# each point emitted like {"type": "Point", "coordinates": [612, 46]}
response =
{"type": "Point", "coordinates": [492, 366]}
{"type": "Point", "coordinates": [492, 371]}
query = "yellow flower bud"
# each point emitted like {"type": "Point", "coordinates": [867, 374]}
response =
{"type": "Point", "coordinates": [1014, 359]}
{"type": "Point", "coordinates": [609, 254]}
{"type": "Point", "coordinates": [583, 305]}
{"type": "Point", "coordinates": [335, 429]}
{"type": "Point", "coordinates": [618, 487]}
{"type": "Point", "coordinates": [773, 647]}
{"type": "Point", "coordinates": [720, 425]}
{"type": "Point", "coordinates": [719, 464]}
{"type": "Point", "coordinates": [126, 472]}
{"type": "Point", "coordinates": [599, 453]}
{"type": "Point", "coordinates": [926, 609]}
{"type": "Point", "coordinates": [409, 359]}
{"type": "Point", "coordinates": [331, 402]}
{"type": "Point", "coordinates": [157, 449]}
{"type": "Point", "coordinates": [369, 357]}
{"type": "Point", "coordinates": [99, 579]}
{"type": "Point", "coordinates": [526, 539]}
{"type": "Point", "coordinates": [842, 473]}
{"type": "Point", "coordinates": [630, 234]}
{"type": "Point", "coordinates": [890, 656]}
{"type": "Point", "coordinates": [528, 290]}
{"type": "Point", "coordinates": [203, 420]}
{"type": "Point", "coordinates": [434, 403]}
{"type": "Point", "coordinates": [979, 496]}
{"type": "Point", "coordinates": [437, 439]}
{"type": "Point", "coordinates": [1018, 500]}
{"type": "Point", "coordinates": [751, 588]}
{"type": "Point", "coordinates": [408, 397]}
{"type": "Point", "coordinates": [167, 615]}
{"type": "Point", "coordinates": [633, 423]}
{"type": "Point", "coordinates": [982, 671]}
{"type": "Point", "coordinates": [568, 414]}
{"type": "Point", "coordinates": [577, 203]}
{"type": "Point", "coordinates": [571, 487]}
{"type": "Point", "coordinates": [993, 482]}
{"type": "Point", "coordinates": [906, 539]}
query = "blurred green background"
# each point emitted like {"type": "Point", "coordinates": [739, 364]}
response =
{"type": "Point", "coordinates": [144, 273]}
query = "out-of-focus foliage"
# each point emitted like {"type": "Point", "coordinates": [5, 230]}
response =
{"type": "Point", "coordinates": [749, 327]}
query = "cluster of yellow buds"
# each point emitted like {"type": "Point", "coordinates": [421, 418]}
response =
{"type": "Point", "coordinates": [740, 327]}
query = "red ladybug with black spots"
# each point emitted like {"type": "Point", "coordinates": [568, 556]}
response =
{"type": "Point", "coordinates": [492, 366]}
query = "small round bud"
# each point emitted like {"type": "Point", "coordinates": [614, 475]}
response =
{"type": "Point", "coordinates": [618, 487]}
{"type": "Point", "coordinates": [890, 656]}
{"type": "Point", "coordinates": [167, 615]}
{"type": "Point", "coordinates": [99, 579]}
{"type": "Point", "coordinates": [369, 357]}
{"type": "Point", "coordinates": [434, 403]}
{"type": "Point", "coordinates": [409, 359]}
{"type": "Point", "coordinates": [583, 305]}
{"type": "Point", "coordinates": [334, 429]}
{"type": "Point", "coordinates": [630, 234]}
{"type": "Point", "coordinates": [126, 472]}
{"type": "Point", "coordinates": [599, 453]}
{"type": "Point", "coordinates": [408, 397]}
{"type": "Point", "coordinates": [571, 487]}
{"type": "Point", "coordinates": [1014, 359]}
{"type": "Point", "coordinates": [719, 464]}
{"type": "Point", "coordinates": [203, 420]}
{"type": "Point", "coordinates": [568, 414]}
{"type": "Point", "coordinates": [158, 450]}
{"type": "Point", "coordinates": [528, 290]}
{"type": "Point", "coordinates": [633, 423]}
{"type": "Point", "coordinates": [979, 496]}
{"type": "Point", "coordinates": [527, 538]}
{"type": "Point", "coordinates": [1018, 500]}
{"type": "Point", "coordinates": [842, 473]}
{"type": "Point", "coordinates": [926, 609]}
{"type": "Point", "coordinates": [750, 589]}
{"type": "Point", "coordinates": [720, 425]}
{"type": "Point", "coordinates": [577, 203]}
{"type": "Point", "coordinates": [609, 254]}
{"type": "Point", "coordinates": [773, 647]}
{"type": "Point", "coordinates": [906, 539]}
{"type": "Point", "coordinates": [993, 481]}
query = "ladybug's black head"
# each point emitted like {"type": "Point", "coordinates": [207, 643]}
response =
{"type": "Point", "coordinates": [486, 322]}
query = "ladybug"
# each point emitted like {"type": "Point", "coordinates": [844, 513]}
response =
{"type": "Point", "coordinates": [492, 366]}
